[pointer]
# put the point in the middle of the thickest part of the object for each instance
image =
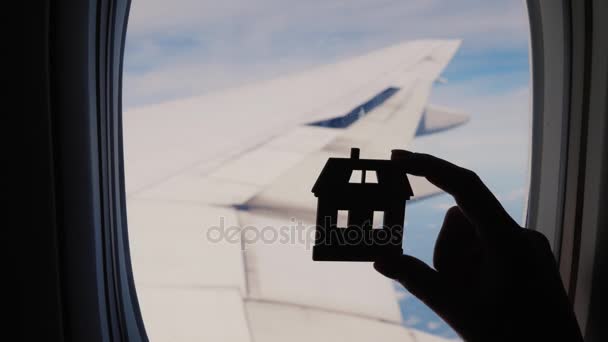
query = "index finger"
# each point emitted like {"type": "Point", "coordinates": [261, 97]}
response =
{"type": "Point", "coordinates": [477, 202]}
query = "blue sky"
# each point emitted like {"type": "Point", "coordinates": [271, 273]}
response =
{"type": "Point", "coordinates": [188, 47]}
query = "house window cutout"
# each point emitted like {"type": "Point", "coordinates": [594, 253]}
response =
{"type": "Point", "coordinates": [371, 177]}
{"type": "Point", "coordinates": [342, 219]}
{"type": "Point", "coordinates": [356, 176]}
{"type": "Point", "coordinates": [378, 220]}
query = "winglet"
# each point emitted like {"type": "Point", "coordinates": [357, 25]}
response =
{"type": "Point", "coordinates": [437, 119]}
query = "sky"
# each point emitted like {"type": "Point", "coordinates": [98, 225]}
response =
{"type": "Point", "coordinates": [186, 48]}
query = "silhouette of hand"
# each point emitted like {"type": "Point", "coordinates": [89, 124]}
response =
{"type": "Point", "coordinates": [493, 280]}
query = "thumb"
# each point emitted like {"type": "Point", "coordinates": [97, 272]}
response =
{"type": "Point", "coordinates": [417, 277]}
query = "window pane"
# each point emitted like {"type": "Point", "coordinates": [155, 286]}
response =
{"type": "Point", "coordinates": [342, 218]}
{"type": "Point", "coordinates": [231, 110]}
{"type": "Point", "coordinates": [371, 176]}
{"type": "Point", "coordinates": [378, 220]}
{"type": "Point", "coordinates": [356, 176]}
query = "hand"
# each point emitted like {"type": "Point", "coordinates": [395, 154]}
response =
{"type": "Point", "coordinates": [493, 280]}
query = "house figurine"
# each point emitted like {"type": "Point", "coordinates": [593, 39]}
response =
{"type": "Point", "coordinates": [360, 209]}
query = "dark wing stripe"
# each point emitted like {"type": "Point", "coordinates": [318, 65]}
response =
{"type": "Point", "coordinates": [358, 112]}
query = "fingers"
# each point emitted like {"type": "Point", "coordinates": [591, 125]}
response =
{"type": "Point", "coordinates": [416, 276]}
{"type": "Point", "coordinates": [472, 196]}
{"type": "Point", "coordinates": [457, 250]}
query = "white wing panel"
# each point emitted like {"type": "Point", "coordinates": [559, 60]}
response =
{"type": "Point", "coordinates": [190, 314]}
{"type": "Point", "coordinates": [280, 270]}
{"type": "Point", "coordinates": [260, 167]}
{"type": "Point", "coordinates": [303, 139]}
{"type": "Point", "coordinates": [170, 246]}
{"type": "Point", "coordinates": [290, 194]}
{"type": "Point", "coordinates": [192, 187]}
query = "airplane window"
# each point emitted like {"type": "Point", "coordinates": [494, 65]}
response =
{"type": "Point", "coordinates": [231, 109]}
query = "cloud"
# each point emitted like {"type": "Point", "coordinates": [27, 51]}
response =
{"type": "Point", "coordinates": [514, 195]}
{"type": "Point", "coordinates": [269, 18]}
{"type": "Point", "coordinates": [411, 320]}
{"type": "Point", "coordinates": [403, 295]}
{"type": "Point", "coordinates": [189, 47]}
{"type": "Point", "coordinates": [433, 325]}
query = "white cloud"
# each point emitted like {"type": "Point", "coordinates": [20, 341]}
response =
{"type": "Point", "coordinates": [402, 295]}
{"type": "Point", "coordinates": [185, 47]}
{"type": "Point", "coordinates": [411, 320]}
{"type": "Point", "coordinates": [433, 325]}
{"type": "Point", "coordinates": [411, 19]}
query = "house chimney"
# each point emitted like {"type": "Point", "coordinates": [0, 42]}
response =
{"type": "Point", "coordinates": [354, 153]}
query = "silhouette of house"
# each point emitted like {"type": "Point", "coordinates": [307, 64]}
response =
{"type": "Point", "coordinates": [360, 209]}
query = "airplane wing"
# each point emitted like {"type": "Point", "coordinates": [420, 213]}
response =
{"type": "Point", "coordinates": [227, 162]}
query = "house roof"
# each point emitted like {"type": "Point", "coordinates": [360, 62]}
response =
{"type": "Point", "coordinates": [336, 174]}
